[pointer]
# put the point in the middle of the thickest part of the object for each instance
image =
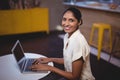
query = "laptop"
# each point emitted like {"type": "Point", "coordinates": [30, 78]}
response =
{"type": "Point", "coordinates": [22, 61]}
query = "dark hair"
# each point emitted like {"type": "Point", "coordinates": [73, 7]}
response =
{"type": "Point", "coordinates": [76, 12]}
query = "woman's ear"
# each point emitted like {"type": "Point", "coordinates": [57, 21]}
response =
{"type": "Point", "coordinates": [80, 23]}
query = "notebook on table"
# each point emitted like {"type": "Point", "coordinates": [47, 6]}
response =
{"type": "Point", "coordinates": [23, 62]}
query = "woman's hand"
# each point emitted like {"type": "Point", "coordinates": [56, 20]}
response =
{"type": "Point", "coordinates": [42, 60]}
{"type": "Point", "coordinates": [37, 67]}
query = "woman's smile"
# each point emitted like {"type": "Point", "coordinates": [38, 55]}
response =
{"type": "Point", "coordinates": [67, 27]}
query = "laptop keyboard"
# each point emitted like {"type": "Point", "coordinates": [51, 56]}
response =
{"type": "Point", "coordinates": [28, 64]}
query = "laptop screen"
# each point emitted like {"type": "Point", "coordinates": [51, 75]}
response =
{"type": "Point", "coordinates": [17, 50]}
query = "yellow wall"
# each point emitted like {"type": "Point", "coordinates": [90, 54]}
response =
{"type": "Point", "coordinates": [24, 21]}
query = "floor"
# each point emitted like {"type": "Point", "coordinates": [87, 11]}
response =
{"type": "Point", "coordinates": [51, 45]}
{"type": "Point", "coordinates": [105, 56]}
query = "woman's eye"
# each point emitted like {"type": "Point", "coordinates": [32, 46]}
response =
{"type": "Point", "coordinates": [71, 20]}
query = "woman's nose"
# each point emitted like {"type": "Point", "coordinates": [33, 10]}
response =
{"type": "Point", "coordinates": [66, 23]}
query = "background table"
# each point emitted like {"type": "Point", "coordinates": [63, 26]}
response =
{"type": "Point", "coordinates": [9, 69]}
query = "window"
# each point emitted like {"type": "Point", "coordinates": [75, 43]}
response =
{"type": "Point", "coordinates": [109, 1]}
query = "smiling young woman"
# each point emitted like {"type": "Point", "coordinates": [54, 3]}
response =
{"type": "Point", "coordinates": [75, 51]}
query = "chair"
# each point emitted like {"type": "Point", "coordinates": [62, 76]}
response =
{"type": "Point", "coordinates": [101, 28]}
{"type": "Point", "coordinates": [115, 45]}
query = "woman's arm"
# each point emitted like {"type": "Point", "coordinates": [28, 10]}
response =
{"type": "Point", "coordinates": [74, 75]}
{"type": "Point", "coordinates": [46, 60]}
{"type": "Point", "coordinates": [57, 60]}
{"type": "Point", "coordinates": [76, 70]}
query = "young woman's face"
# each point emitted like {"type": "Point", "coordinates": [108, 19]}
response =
{"type": "Point", "coordinates": [69, 22]}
